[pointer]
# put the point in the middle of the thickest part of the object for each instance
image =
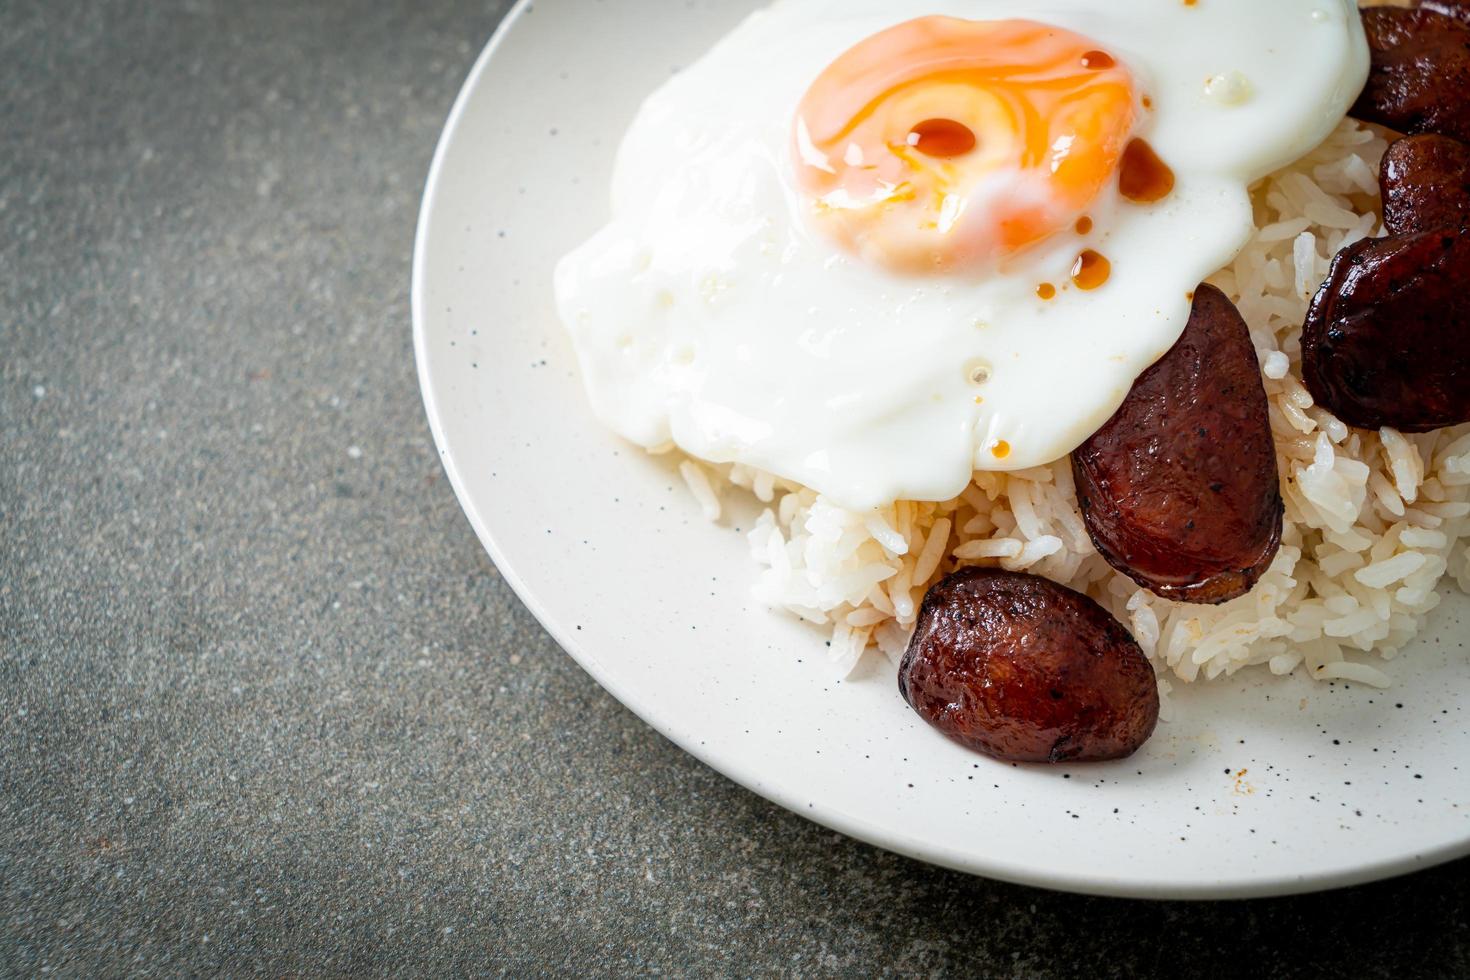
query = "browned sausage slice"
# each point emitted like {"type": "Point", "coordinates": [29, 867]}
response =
{"type": "Point", "coordinates": [1426, 184]}
{"type": "Point", "coordinates": [1387, 338]}
{"type": "Point", "coordinates": [1022, 669]}
{"type": "Point", "coordinates": [1420, 70]}
{"type": "Point", "coordinates": [1179, 489]}
{"type": "Point", "coordinates": [1450, 8]}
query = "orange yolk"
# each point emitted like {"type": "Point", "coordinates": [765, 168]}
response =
{"type": "Point", "coordinates": [945, 144]}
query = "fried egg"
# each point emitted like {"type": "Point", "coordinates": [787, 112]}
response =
{"type": "Point", "coordinates": [873, 246]}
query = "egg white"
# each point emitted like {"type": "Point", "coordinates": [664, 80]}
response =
{"type": "Point", "coordinates": [709, 313]}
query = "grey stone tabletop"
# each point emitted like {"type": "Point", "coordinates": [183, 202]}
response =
{"type": "Point", "coordinates": [265, 705]}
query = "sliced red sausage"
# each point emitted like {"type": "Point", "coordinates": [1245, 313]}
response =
{"type": "Point", "coordinates": [1179, 490]}
{"type": "Point", "coordinates": [1459, 9]}
{"type": "Point", "coordinates": [1024, 670]}
{"type": "Point", "coordinates": [1387, 337]}
{"type": "Point", "coordinates": [1426, 184]}
{"type": "Point", "coordinates": [1420, 70]}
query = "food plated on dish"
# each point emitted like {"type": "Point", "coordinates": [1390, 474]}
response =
{"type": "Point", "coordinates": [1071, 345]}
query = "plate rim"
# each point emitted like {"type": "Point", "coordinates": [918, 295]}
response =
{"type": "Point", "coordinates": [849, 824]}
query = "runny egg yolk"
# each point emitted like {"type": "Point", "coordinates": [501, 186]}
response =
{"type": "Point", "coordinates": [944, 144]}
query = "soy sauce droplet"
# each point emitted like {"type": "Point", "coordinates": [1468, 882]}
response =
{"type": "Point", "coordinates": [942, 138]}
{"type": "Point", "coordinates": [1142, 177]}
{"type": "Point", "coordinates": [1091, 270]}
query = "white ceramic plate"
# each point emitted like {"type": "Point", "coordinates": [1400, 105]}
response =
{"type": "Point", "coordinates": [1260, 786]}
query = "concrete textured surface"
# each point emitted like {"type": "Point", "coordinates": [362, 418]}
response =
{"type": "Point", "coordinates": [265, 705]}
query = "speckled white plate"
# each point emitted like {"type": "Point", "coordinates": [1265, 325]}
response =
{"type": "Point", "coordinates": [1260, 786]}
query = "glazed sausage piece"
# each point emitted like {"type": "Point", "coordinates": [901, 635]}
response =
{"type": "Point", "coordinates": [1420, 69]}
{"type": "Point", "coordinates": [1426, 185]}
{"type": "Point", "coordinates": [1459, 9]}
{"type": "Point", "coordinates": [1179, 490]}
{"type": "Point", "coordinates": [1024, 670]}
{"type": "Point", "coordinates": [1387, 337]}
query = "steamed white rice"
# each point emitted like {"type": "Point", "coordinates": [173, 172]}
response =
{"type": "Point", "coordinates": [1374, 521]}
